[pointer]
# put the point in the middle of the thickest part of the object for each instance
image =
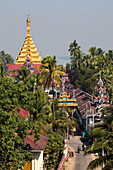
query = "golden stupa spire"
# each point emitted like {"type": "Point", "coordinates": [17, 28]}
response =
{"type": "Point", "coordinates": [28, 26]}
{"type": "Point", "coordinates": [28, 48]}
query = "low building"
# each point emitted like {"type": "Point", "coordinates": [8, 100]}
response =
{"type": "Point", "coordinates": [36, 148]}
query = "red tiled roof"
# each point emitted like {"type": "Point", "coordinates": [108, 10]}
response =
{"type": "Point", "coordinates": [38, 145]}
{"type": "Point", "coordinates": [17, 66]}
{"type": "Point", "coordinates": [13, 66]}
{"type": "Point", "coordinates": [23, 113]}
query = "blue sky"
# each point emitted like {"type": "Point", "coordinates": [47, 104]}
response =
{"type": "Point", "coordinates": [55, 24]}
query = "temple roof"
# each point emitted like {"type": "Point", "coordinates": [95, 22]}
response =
{"type": "Point", "coordinates": [100, 82]}
{"type": "Point", "coordinates": [28, 48]}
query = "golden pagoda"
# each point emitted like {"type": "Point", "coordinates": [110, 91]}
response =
{"type": "Point", "coordinates": [28, 49]}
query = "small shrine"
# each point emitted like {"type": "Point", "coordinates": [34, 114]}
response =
{"type": "Point", "coordinates": [65, 101]}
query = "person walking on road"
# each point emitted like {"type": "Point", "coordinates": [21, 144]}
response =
{"type": "Point", "coordinates": [83, 147]}
{"type": "Point", "coordinates": [78, 149]}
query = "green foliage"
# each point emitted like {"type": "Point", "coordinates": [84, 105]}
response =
{"type": "Point", "coordinates": [85, 70]}
{"type": "Point", "coordinates": [13, 130]}
{"type": "Point", "coordinates": [8, 94]}
{"type": "Point", "coordinates": [49, 74]}
{"type": "Point", "coordinates": [2, 70]}
{"type": "Point", "coordinates": [6, 58]}
{"type": "Point", "coordinates": [103, 139]}
{"type": "Point", "coordinates": [13, 96]}
{"type": "Point", "coordinates": [53, 150]}
{"type": "Point", "coordinates": [23, 75]}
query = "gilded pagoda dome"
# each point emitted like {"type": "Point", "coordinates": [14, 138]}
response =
{"type": "Point", "coordinates": [28, 48]}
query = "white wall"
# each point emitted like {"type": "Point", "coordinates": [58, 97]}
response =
{"type": "Point", "coordinates": [37, 161]}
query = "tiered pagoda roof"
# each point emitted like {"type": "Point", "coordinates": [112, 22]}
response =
{"type": "Point", "coordinates": [28, 48]}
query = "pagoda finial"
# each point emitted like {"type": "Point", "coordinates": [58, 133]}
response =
{"type": "Point", "coordinates": [28, 14]}
{"type": "Point", "coordinates": [28, 24]}
{"type": "Point", "coordinates": [100, 82]}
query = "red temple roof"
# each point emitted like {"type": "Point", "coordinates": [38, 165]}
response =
{"type": "Point", "coordinates": [17, 66]}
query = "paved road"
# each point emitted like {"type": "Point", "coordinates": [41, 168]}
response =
{"type": "Point", "coordinates": [80, 161]}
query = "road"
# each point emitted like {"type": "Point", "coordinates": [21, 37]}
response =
{"type": "Point", "coordinates": [79, 161]}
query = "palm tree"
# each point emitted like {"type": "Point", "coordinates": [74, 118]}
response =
{"type": "Point", "coordinates": [103, 135]}
{"type": "Point", "coordinates": [99, 52]}
{"type": "Point", "coordinates": [92, 51]}
{"type": "Point", "coordinates": [50, 75]}
{"type": "Point", "coordinates": [40, 110]}
{"type": "Point", "coordinates": [22, 75]}
{"type": "Point", "coordinates": [74, 49]}
{"type": "Point", "coordinates": [63, 118]}
{"type": "Point", "coordinates": [75, 52]}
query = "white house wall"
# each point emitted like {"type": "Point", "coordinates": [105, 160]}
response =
{"type": "Point", "coordinates": [37, 161]}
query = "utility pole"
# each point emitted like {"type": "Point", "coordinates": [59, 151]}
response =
{"type": "Point", "coordinates": [67, 138]}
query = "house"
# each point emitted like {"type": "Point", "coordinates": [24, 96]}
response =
{"type": "Point", "coordinates": [36, 148]}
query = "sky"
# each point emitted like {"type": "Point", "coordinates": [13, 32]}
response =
{"type": "Point", "coordinates": [55, 24]}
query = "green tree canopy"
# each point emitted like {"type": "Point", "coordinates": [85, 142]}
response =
{"type": "Point", "coordinates": [6, 58]}
{"type": "Point", "coordinates": [54, 150]}
{"type": "Point", "coordinates": [103, 140]}
{"type": "Point", "coordinates": [49, 74]}
{"type": "Point", "coordinates": [13, 130]}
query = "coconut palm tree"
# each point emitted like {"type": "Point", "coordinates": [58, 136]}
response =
{"type": "Point", "coordinates": [49, 76]}
{"type": "Point", "coordinates": [92, 51]}
{"type": "Point", "coordinates": [22, 74]}
{"type": "Point", "coordinates": [103, 135]}
{"type": "Point", "coordinates": [40, 110]}
{"type": "Point", "coordinates": [100, 52]}
{"type": "Point", "coordinates": [63, 118]}
{"type": "Point", "coordinates": [74, 50]}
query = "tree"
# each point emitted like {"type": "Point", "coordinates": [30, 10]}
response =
{"type": "Point", "coordinates": [76, 53]}
{"type": "Point", "coordinates": [64, 119]}
{"type": "Point", "coordinates": [100, 52]}
{"type": "Point", "coordinates": [49, 75]}
{"type": "Point", "coordinates": [6, 58]}
{"type": "Point", "coordinates": [2, 70]}
{"type": "Point", "coordinates": [53, 151]}
{"type": "Point", "coordinates": [74, 49]}
{"type": "Point", "coordinates": [13, 95]}
{"type": "Point", "coordinates": [8, 94]}
{"type": "Point", "coordinates": [103, 139]}
{"type": "Point", "coordinates": [92, 51]}
{"type": "Point", "coordinates": [13, 130]}
{"type": "Point", "coordinates": [22, 75]}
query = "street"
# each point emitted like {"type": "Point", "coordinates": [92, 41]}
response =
{"type": "Point", "coordinates": [79, 161]}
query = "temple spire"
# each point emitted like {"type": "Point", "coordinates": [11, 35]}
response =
{"type": "Point", "coordinates": [28, 49]}
{"type": "Point", "coordinates": [100, 82]}
{"type": "Point", "coordinates": [28, 26]}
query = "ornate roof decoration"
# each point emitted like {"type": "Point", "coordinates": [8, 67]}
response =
{"type": "Point", "coordinates": [100, 82]}
{"type": "Point", "coordinates": [66, 101]}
